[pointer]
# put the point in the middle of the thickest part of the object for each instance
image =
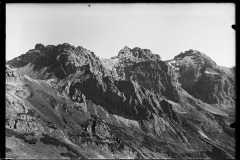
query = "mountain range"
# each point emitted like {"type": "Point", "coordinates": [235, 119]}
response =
{"type": "Point", "coordinates": [65, 102]}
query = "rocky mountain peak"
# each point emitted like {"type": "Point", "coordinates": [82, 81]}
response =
{"type": "Point", "coordinates": [125, 52]}
{"type": "Point", "coordinates": [59, 61]}
{"type": "Point", "coordinates": [126, 48]}
{"type": "Point", "coordinates": [137, 53]}
{"type": "Point", "coordinates": [188, 53]}
{"type": "Point", "coordinates": [39, 46]}
{"type": "Point", "coordinates": [200, 76]}
{"type": "Point", "coordinates": [72, 104]}
{"type": "Point", "coordinates": [197, 57]}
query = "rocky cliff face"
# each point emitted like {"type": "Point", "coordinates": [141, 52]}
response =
{"type": "Point", "coordinates": [134, 105]}
{"type": "Point", "coordinates": [55, 61]}
{"type": "Point", "coordinates": [201, 77]}
{"type": "Point", "coordinates": [137, 54]}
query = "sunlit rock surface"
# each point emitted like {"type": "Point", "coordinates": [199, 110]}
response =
{"type": "Point", "coordinates": [65, 102]}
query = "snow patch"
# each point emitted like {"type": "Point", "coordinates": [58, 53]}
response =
{"type": "Point", "coordinates": [210, 72]}
{"type": "Point", "coordinates": [207, 72]}
{"type": "Point", "coordinates": [171, 62]}
{"type": "Point", "coordinates": [202, 134]}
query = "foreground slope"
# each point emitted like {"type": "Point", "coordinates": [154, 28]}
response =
{"type": "Point", "coordinates": [41, 123]}
{"type": "Point", "coordinates": [133, 105]}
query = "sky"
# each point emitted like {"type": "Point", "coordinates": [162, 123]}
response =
{"type": "Point", "coordinates": [165, 29]}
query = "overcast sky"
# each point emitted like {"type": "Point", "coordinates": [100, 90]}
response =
{"type": "Point", "coordinates": [165, 29]}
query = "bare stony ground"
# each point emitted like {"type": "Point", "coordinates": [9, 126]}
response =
{"type": "Point", "coordinates": [64, 102]}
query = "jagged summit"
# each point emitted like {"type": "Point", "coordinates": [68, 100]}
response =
{"type": "Point", "coordinates": [63, 101]}
{"type": "Point", "coordinates": [137, 53]}
{"type": "Point", "coordinates": [59, 61]}
{"type": "Point", "coordinates": [188, 53]}
{"type": "Point", "coordinates": [200, 76]}
{"type": "Point", "coordinates": [197, 56]}
{"type": "Point", "coordinates": [59, 47]}
{"type": "Point", "coordinates": [39, 46]}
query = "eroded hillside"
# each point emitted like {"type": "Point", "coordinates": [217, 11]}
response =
{"type": "Point", "coordinates": [64, 101]}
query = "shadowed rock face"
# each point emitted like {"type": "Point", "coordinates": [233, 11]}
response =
{"type": "Point", "coordinates": [55, 61]}
{"type": "Point", "coordinates": [201, 77]}
{"type": "Point", "coordinates": [137, 53]}
{"type": "Point", "coordinates": [134, 105]}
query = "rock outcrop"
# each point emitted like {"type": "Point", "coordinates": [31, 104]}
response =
{"type": "Point", "coordinates": [201, 77]}
{"type": "Point", "coordinates": [137, 53]}
{"type": "Point", "coordinates": [133, 105]}
{"type": "Point", "coordinates": [55, 61]}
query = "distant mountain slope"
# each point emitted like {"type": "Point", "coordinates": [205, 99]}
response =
{"type": "Point", "coordinates": [133, 105]}
{"type": "Point", "coordinates": [55, 61]}
{"type": "Point", "coordinates": [200, 76]}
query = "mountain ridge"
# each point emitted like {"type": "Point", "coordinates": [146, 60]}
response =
{"type": "Point", "coordinates": [157, 106]}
